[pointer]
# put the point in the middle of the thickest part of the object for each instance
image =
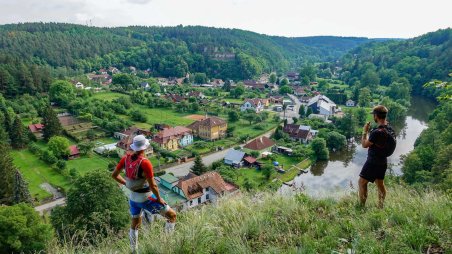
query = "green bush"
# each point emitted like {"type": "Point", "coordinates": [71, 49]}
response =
{"type": "Point", "coordinates": [22, 230]}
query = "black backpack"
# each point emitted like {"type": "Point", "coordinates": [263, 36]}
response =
{"type": "Point", "coordinates": [390, 144]}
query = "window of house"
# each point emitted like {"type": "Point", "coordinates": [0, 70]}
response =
{"type": "Point", "coordinates": [207, 196]}
{"type": "Point", "coordinates": [199, 200]}
{"type": "Point", "coordinates": [191, 202]}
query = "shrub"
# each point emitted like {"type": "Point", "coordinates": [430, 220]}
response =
{"type": "Point", "coordinates": [22, 230]}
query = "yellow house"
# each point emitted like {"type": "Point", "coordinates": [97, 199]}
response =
{"type": "Point", "coordinates": [173, 138]}
{"type": "Point", "coordinates": [211, 128]}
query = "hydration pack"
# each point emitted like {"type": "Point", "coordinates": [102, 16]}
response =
{"type": "Point", "coordinates": [390, 143]}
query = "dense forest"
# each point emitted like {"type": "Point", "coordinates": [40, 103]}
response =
{"type": "Point", "coordinates": [60, 49]}
{"type": "Point", "coordinates": [419, 60]}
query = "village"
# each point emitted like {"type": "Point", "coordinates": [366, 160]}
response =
{"type": "Point", "coordinates": [250, 134]}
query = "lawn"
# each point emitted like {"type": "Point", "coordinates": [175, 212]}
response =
{"type": "Point", "coordinates": [108, 96]}
{"type": "Point", "coordinates": [85, 164]}
{"type": "Point", "coordinates": [37, 172]}
{"type": "Point", "coordinates": [292, 172]}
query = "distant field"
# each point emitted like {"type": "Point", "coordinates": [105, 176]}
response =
{"type": "Point", "coordinates": [86, 164]}
{"type": "Point", "coordinates": [109, 96]}
{"type": "Point", "coordinates": [167, 116]}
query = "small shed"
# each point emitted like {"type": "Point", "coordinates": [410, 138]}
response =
{"type": "Point", "coordinates": [234, 158]}
{"type": "Point", "coordinates": [73, 152]}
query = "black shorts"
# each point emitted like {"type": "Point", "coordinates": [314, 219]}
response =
{"type": "Point", "coordinates": [374, 170]}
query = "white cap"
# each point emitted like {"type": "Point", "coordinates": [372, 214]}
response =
{"type": "Point", "coordinates": [140, 143]}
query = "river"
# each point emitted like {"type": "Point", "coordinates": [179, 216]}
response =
{"type": "Point", "coordinates": [340, 174]}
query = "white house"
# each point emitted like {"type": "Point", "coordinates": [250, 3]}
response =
{"type": "Point", "coordinates": [253, 104]}
{"type": "Point", "coordinates": [322, 105]}
{"type": "Point", "coordinates": [145, 85]}
{"type": "Point", "coordinates": [78, 84]}
{"type": "Point", "coordinates": [350, 103]}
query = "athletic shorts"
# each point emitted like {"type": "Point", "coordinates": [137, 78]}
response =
{"type": "Point", "coordinates": [150, 205]}
{"type": "Point", "coordinates": [374, 170]}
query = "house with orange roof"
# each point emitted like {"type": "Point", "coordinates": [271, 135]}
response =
{"type": "Point", "coordinates": [210, 128]}
{"type": "Point", "coordinates": [197, 190]}
{"type": "Point", "coordinates": [173, 138]}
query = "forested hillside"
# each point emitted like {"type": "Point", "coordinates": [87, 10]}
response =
{"type": "Point", "coordinates": [419, 60]}
{"type": "Point", "coordinates": [165, 51]}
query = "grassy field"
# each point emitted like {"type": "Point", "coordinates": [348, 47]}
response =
{"type": "Point", "coordinates": [108, 96]}
{"type": "Point", "coordinates": [37, 172]}
{"type": "Point", "coordinates": [85, 164]}
{"type": "Point", "coordinates": [292, 172]}
{"type": "Point", "coordinates": [412, 221]}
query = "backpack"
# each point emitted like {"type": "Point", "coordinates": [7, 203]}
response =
{"type": "Point", "coordinates": [390, 144]}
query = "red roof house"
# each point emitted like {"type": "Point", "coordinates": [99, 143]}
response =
{"type": "Point", "coordinates": [73, 152]}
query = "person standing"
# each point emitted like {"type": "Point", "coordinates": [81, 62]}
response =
{"type": "Point", "coordinates": [381, 144]}
{"type": "Point", "coordinates": [144, 193]}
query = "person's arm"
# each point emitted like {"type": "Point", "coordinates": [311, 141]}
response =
{"type": "Point", "coordinates": [155, 189]}
{"type": "Point", "coordinates": [364, 141]}
{"type": "Point", "coordinates": [116, 173]}
{"type": "Point", "coordinates": [146, 165]}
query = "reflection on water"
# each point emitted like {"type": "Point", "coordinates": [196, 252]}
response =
{"type": "Point", "coordinates": [340, 173]}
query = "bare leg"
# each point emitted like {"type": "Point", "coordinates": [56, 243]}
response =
{"type": "Point", "coordinates": [133, 234]}
{"type": "Point", "coordinates": [362, 183]}
{"type": "Point", "coordinates": [381, 192]}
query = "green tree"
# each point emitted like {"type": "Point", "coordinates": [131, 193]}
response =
{"type": "Point", "coordinates": [285, 89]}
{"type": "Point", "coordinates": [249, 184]}
{"type": "Point", "coordinates": [309, 71]}
{"type": "Point", "coordinates": [284, 82]}
{"type": "Point", "coordinates": [335, 140]}
{"type": "Point", "coordinates": [347, 125]}
{"type": "Point", "coordinates": [323, 85]}
{"type": "Point", "coordinates": [233, 116]}
{"type": "Point", "coordinates": [13, 189]}
{"type": "Point", "coordinates": [268, 172]}
{"type": "Point", "coordinates": [399, 90]}
{"type": "Point", "coordinates": [305, 81]}
{"type": "Point", "coordinates": [308, 111]}
{"type": "Point", "coordinates": [200, 78]}
{"type": "Point", "coordinates": [154, 88]}
{"type": "Point", "coordinates": [22, 230]}
{"type": "Point", "coordinates": [370, 79]}
{"type": "Point", "coordinates": [62, 92]}
{"type": "Point", "coordinates": [272, 78]}
{"type": "Point", "coordinates": [123, 79]}
{"type": "Point", "coordinates": [238, 91]}
{"type": "Point", "coordinates": [318, 145]}
{"type": "Point", "coordinates": [198, 167]}
{"type": "Point", "coordinates": [302, 111]}
{"type": "Point", "coordinates": [59, 146]}
{"type": "Point", "coordinates": [102, 211]}
{"type": "Point", "coordinates": [361, 115]}
{"type": "Point", "coordinates": [364, 97]}
{"type": "Point", "coordinates": [52, 126]}
{"type": "Point", "coordinates": [137, 115]}
{"type": "Point", "coordinates": [18, 135]}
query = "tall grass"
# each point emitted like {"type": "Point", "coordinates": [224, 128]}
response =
{"type": "Point", "coordinates": [411, 222]}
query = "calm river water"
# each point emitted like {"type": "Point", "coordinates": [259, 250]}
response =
{"type": "Point", "coordinates": [340, 174]}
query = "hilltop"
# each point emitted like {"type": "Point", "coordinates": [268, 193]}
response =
{"type": "Point", "coordinates": [218, 52]}
{"type": "Point", "coordinates": [411, 222]}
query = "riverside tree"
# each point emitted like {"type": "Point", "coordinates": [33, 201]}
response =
{"type": "Point", "coordinates": [17, 134]}
{"type": "Point", "coordinates": [318, 145]}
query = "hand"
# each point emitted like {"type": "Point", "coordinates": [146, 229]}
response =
{"type": "Point", "coordinates": [161, 201]}
{"type": "Point", "coordinates": [366, 127]}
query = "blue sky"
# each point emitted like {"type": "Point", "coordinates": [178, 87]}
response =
{"type": "Point", "coordinates": [382, 18]}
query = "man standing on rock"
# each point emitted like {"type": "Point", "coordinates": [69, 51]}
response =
{"type": "Point", "coordinates": [381, 144]}
{"type": "Point", "coordinates": [139, 179]}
